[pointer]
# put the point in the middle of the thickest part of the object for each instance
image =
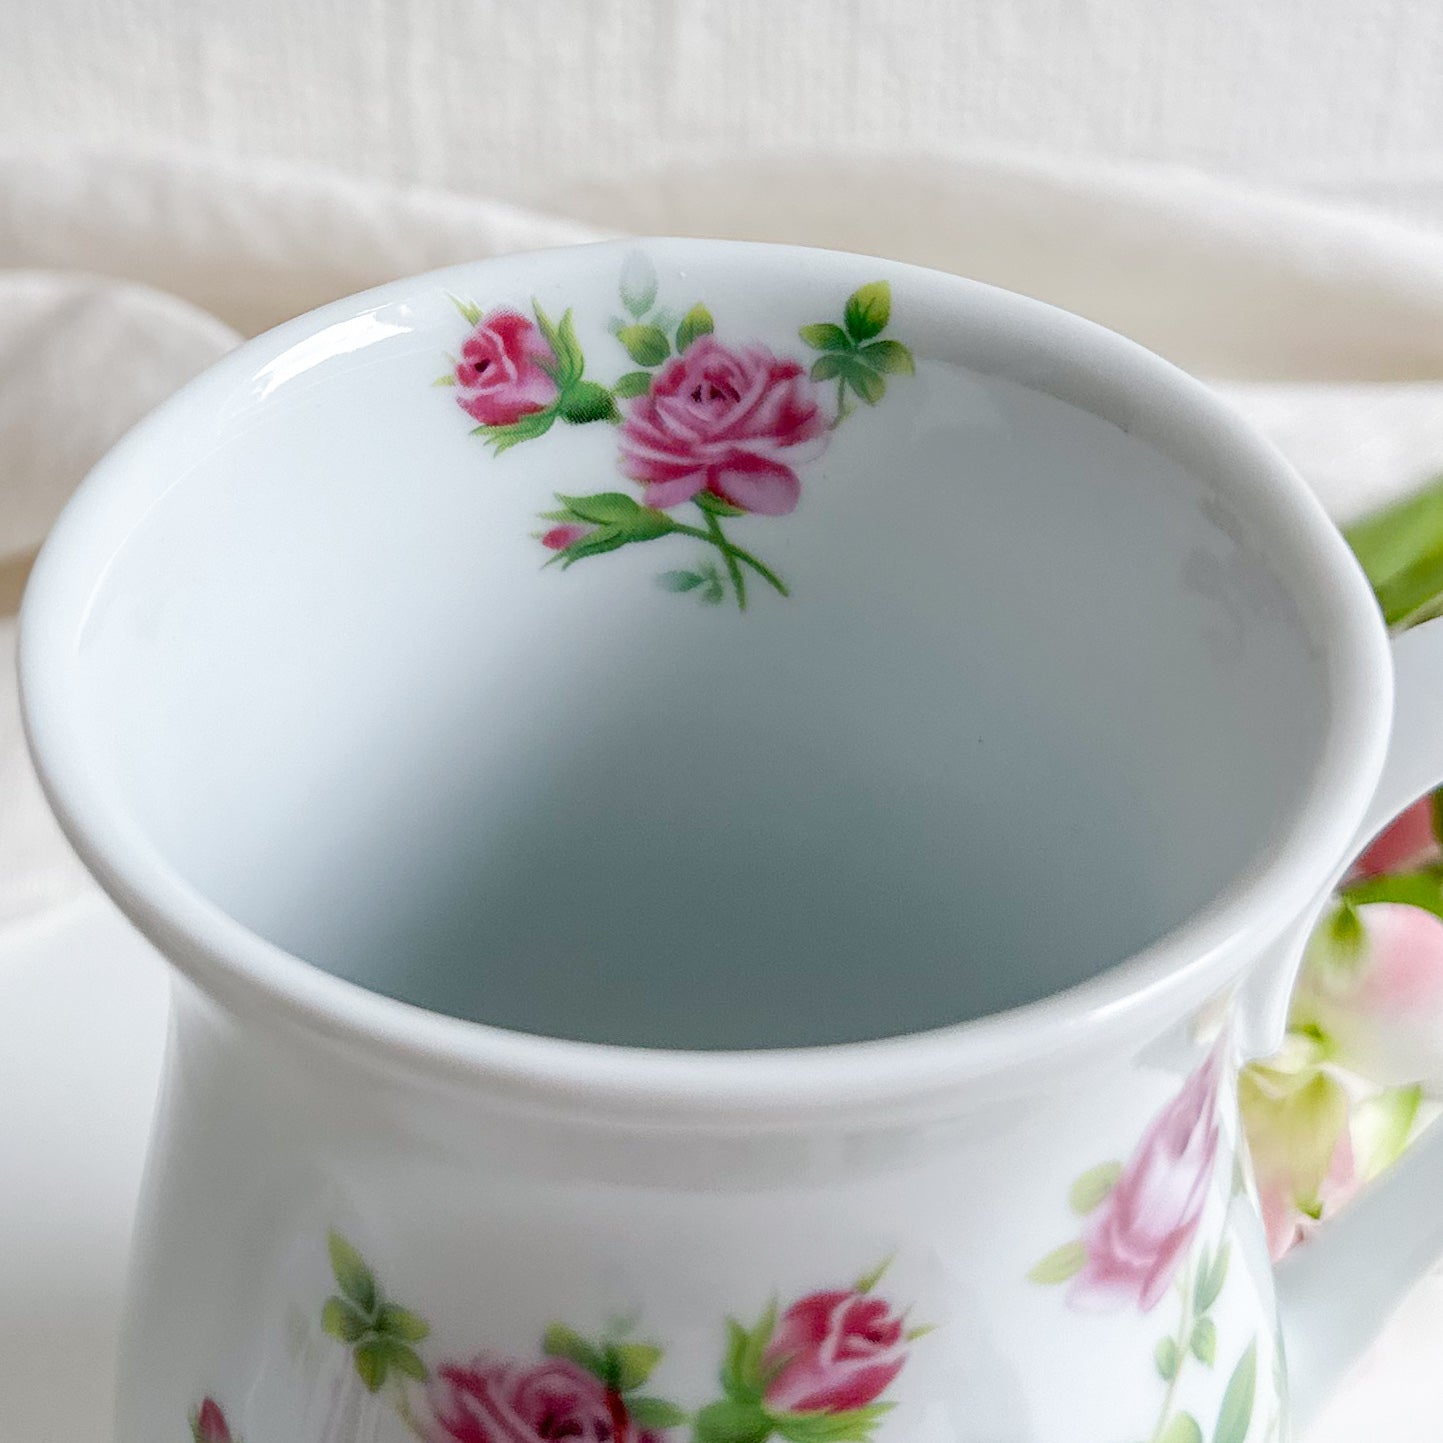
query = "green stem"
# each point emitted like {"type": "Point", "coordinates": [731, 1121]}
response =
{"type": "Point", "coordinates": [730, 548]}
{"type": "Point", "coordinates": [713, 526]}
{"type": "Point", "coordinates": [843, 409]}
{"type": "Point", "coordinates": [1183, 1339]}
{"type": "Point", "coordinates": [403, 1411]}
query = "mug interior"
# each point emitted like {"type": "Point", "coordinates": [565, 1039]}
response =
{"type": "Point", "coordinates": [1039, 691]}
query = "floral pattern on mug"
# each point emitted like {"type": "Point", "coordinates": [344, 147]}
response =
{"type": "Point", "coordinates": [720, 426]}
{"type": "Point", "coordinates": [1141, 1223]}
{"type": "Point", "coordinates": [815, 1372]}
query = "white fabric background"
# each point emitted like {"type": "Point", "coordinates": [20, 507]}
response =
{"type": "Point", "coordinates": [1253, 187]}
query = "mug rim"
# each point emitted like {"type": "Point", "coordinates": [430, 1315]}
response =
{"type": "Point", "coordinates": [1192, 962]}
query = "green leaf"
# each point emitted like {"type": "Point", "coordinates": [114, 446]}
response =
{"type": "Point", "coordinates": [679, 580]}
{"type": "Point", "coordinates": [732, 1380]}
{"type": "Point", "coordinates": [732, 1421]}
{"type": "Point", "coordinates": [1060, 1264]}
{"type": "Point", "coordinates": [646, 345]}
{"type": "Point", "coordinates": [868, 385]}
{"type": "Point", "coordinates": [633, 383]}
{"type": "Point", "coordinates": [400, 1323]}
{"type": "Point", "coordinates": [708, 502]}
{"type": "Point", "coordinates": [890, 356]}
{"type": "Point", "coordinates": [470, 311]}
{"type": "Point", "coordinates": [754, 1372]}
{"type": "Point", "coordinates": [343, 1321]}
{"type": "Point", "coordinates": [1414, 594]}
{"type": "Point", "coordinates": [587, 401]}
{"type": "Point", "coordinates": [873, 1276]}
{"type": "Point", "coordinates": [1391, 541]}
{"type": "Point", "coordinates": [373, 1362]}
{"type": "Point", "coordinates": [354, 1277]}
{"type": "Point", "coordinates": [528, 428]}
{"type": "Point", "coordinates": [1211, 1277]}
{"type": "Point", "coordinates": [1093, 1186]}
{"type": "Point", "coordinates": [635, 1363]}
{"type": "Point", "coordinates": [1204, 1343]}
{"type": "Point", "coordinates": [696, 322]}
{"type": "Point", "coordinates": [560, 1341]}
{"type": "Point", "coordinates": [1183, 1429]}
{"type": "Point", "coordinates": [603, 508]}
{"type": "Point", "coordinates": [868, 310]}
{"type": "Point", "coordinates": [825, 368]}
{"type": "Point", "coordinates": [596, 544]}
{"type": "Point", "coordinates": [564, 347]}
{"type": "Point", "coordinates": [853, 1425]}
{"type": "Point", "coordinates": [638, 283]}
{"type": "Point", "coordinates": [449, 379]}
{"type": "Point", "coordinates": [1236, 1412]}
{"type": "Point", "coordinates": [655, 1413]}
{"type": "Point", "coordinates": [1415, 889]}
{"type": "Point", "coordinates": [406, 1360]}
{"type": "Point", "coordinates": [1166, 1356]}
{"type": "Point", "coordinates": [825, 337]}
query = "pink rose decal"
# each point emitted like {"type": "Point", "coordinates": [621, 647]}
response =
{"type": "Point", "coordinates": [558, 538]}
{"type": "Point", "coordinates": [724, 425]}
{"type": "Point", "coordinates": [502, 374]}
{"type": "Point", "coordinates": [833, 1352]}
{"type": "Point", "coordinates": [209, 1425]}
{"type": "Point", "coordinates": [734, 421]}
{"type": "Point", "coordinates": [501, 1400]}
{"type": "Point", "coordinates": [1136, 1239]}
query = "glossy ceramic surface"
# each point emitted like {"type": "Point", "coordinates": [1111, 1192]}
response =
{"type": "Point", "coordinates": [594, 806]}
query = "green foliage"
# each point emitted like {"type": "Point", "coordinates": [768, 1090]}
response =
{"type": "Point", "coordinates": [470, 312]}
{"type": "Point", "coordinates": [527, 428]}
{"type": "Point", "coordinates": [1401, 549]}
{"type": "Point", "coordinates": [633, 383]}
{"type": "Point", "coordinates": [647, 345]}
{"type": "Point", "coordinates": [1182, 1429]}
{"type": "Point", "coordinates": [868, 310]}
{"type": "Point", "coordinates": [825, 337]}
{"type": "Point", "coordinates": [696, 322]}
{"type": "Point", "coordinates": [1212, 1274]}
{"type": "Point", "coordinates": [890, 356]}
{"type": "Point", "coordinates": [1060, 1264]}
{"type": "Point", "coordinates": [732, 1421]}
{"type": "Point", "coordinates": [638, 283]}
{"type": "Point", "coordinates": [352, 1274]}
{"type": "Point", "coordinates": [655, 1413]}
{"type": "Point", "coordinates": [1236, 1412]}
{"type": "Point", "coordinates": [587, 401]}
{"type": "Point", "coordinates": [378, 1333]}
{"type": "Point", "coordinates": [1204, 1341]}
{"type": "Point", "coordinates": [854, 1425]}
{"type": "Point", "coordinates": [569, 362]}
{"type": "Point", "coordinates": [1167, 1358]}
{"type": "Point", "coordinates": [1093, 1187]}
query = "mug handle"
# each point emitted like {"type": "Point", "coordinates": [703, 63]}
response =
{"type": "Point", "coordinates": [1336, 1293]}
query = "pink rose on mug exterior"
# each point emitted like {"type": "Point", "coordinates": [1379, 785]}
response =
{"type": "Point", "coordinates": [1141, 1223]}
{"type": "Point", "coordinates": [833, 1352]}
{"type": "Point", "coordinates": [501, 1400]}
{"type": "Point", "coordinates": [722, 426]}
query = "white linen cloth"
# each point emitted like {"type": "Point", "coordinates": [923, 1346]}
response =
{"type": "Point", "coordinates": [124, 271]}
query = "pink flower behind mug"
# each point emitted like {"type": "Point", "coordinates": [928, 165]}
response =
{"type": "Point", "coordinates": [503, 372]}
{"type": "Point", "coordinates": [502, 1400]}
{"type": "Point", "coordinates": [731, 420]}
{"type": "Point", "coordinates": [833, 1352]}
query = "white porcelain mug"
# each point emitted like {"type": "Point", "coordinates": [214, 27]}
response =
{"type": "Point", "coordinates": [781, 970]}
